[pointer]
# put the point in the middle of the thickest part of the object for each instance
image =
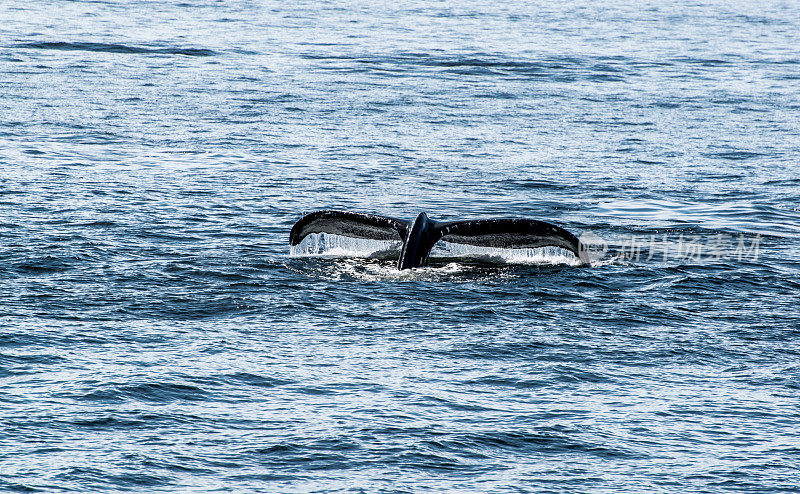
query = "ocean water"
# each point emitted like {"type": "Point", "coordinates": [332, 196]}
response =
{"type": "Point", "coordinates": [158, 335]}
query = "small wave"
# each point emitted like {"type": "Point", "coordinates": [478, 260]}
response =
{"type": "Point", "coordinates": [148, 392]}
{"type": "Point", "coordinates": [497, 381]}
{"type": "Point", "coordinates": [265, 477]}
{"type": "Point", "coordinates": [108, 422]}
{"type": "Point", "coordinates": [427, 461]}
{"type": "Point", "coordinates": [734, 155]}
{"type": "Point", "coordinates": [115, 48]}
{"type": "Point", "coordinates": [98, 224]}
{"type": "Point", "coordinates": [536, 184]}
{"type": "Point", "coordinates": [705, 62]}
{"type": "Point", "coordinates": [17, 487]}
{"type": "Point", "coordinates": [47, 264]}
{"type": "Point", "coordinates": [255, 380]}
{"type": "Point", "coordinates": [126, 481]}
{"type": "Point", "coordinates": [787, 182]}
{"type": "Point", "coordinates": [7, 359]}
{"type": "Point", "coordinates": [563, 69]}
{"type": "Point", "coordinates": [543, 442]}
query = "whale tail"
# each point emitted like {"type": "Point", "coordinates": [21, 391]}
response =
{"type": "Point", "coordinates": [419, 237]}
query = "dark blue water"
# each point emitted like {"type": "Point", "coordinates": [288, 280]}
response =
{"type": "Point", "coordinates": [157, 335]}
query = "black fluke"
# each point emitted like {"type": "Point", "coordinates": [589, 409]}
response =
{"type": "Point", "coordinates": [421, 235]}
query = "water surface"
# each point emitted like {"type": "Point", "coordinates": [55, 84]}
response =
{"type": "Point", "coordinates": [156, 334]}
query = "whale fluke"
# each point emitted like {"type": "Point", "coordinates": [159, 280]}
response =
{"type": "Point", "coordinates": [349, 224]}
{"type": "Point", "coordinates": [421, 235]}
{"type": "Point", "coordinates": [512, 234]}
